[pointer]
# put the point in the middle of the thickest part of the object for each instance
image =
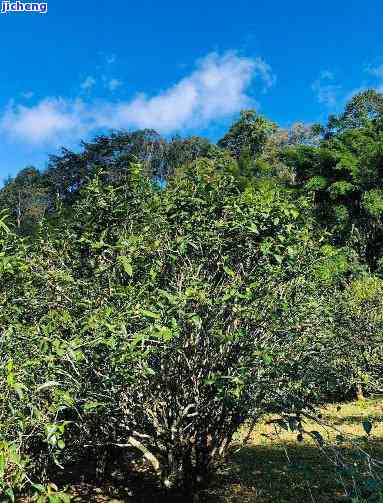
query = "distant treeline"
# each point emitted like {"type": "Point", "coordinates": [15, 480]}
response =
{"type": "Point", "coordinates": [339, 164]}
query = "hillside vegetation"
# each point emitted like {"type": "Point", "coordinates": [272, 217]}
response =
{"type": "Point", "coordinates": [160, 299]}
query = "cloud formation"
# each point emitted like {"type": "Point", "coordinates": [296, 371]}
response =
{"type": "Point", "coordinates": [216, 89]}
{"type": "Point", "coordinates": [27, 95]}
{"type": "Point", "coordinates": [49, 120]}
{"type": "Point", "coordinates": [114, 84]}
{"type": "Point", "coordinates": [326, 91]}
{"type": "Point", "coordinates": [88, 83]}
{"type": "Point", "coordinates": [376, 71]}
{"type": "Point", "coordinates": [335, 96]}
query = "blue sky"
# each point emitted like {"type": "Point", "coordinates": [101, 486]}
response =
{"type": "Point", "coordinates": [179, 67]}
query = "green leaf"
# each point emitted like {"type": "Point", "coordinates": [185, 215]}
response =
{"type": "Point", "coordinates": [293, 423]}
{"type": "Point", "coordinates": [267, 358]}
{"type": "Point", "coordinates": [367, 426]}
{"type": "Point", "coordinates": [39, 487]}
{"type": "Point", "coordinates": [11, 495]}
{"type": "Point", "coordinates": [229, 271]}
{"type": "Point", "coordinates": [150, 314]}
{"type": "Point", "coordinates": [2, 465]}
{"type": "Point", "coordinates": [318, 437]}
{"type": "Point", "coordinates": [92, 405]}
{"type": "Point", "coordinates": [126, 264]}
{"type": "Point", "coordinates": [48, 384]}
{"type": "Point", "coordinates": [65, 498]}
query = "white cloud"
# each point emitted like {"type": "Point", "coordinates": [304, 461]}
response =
{"type": "Point", "coordinates": [88, 83]}
{"type": "Point", "coordinates": [326, 74]}
{"type": "Point", "coordinates": [376, 71]}
{"type": "Point", "coordinates": [264, 71]}
{"type": "Point", "coordinates": [114, 84]}
{"type": "Point", "coordinates": [216, 89]}
{"type": "Point", "coordinates": [27, 95]}
{"type": "Point", "coordinates": [336, 96]}
{"type": "Point", "coordinates": [111, 59]}
{"type": "Point", "coordinates": [327, 93]}
{"type": "Point", "coordinates": [47, 121]}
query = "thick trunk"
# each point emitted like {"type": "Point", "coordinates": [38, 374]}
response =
{"type": "Point", "coordinates": [187, 468]}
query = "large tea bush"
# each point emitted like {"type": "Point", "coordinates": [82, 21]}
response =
{"type": "Point", "coordinates": [159, 321]}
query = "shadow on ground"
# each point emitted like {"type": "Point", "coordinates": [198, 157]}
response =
{"type": "Point", "coordinates": [281, 473]}
{"type": "Point", "coordinates": [354, 419]}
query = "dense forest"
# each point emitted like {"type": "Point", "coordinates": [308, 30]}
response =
{"type": "Point", "coordinates": [159, 295]}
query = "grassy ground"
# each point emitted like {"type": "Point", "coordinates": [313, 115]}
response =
{"type": "Point", "coordinates": [274, 467]}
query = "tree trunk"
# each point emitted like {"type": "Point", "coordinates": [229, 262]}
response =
{"type": "Point", "coordinates": [359, 392]}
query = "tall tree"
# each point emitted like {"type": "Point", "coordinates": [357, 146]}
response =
{"type": "Point", "coordinates": [249, 133]}
{"type": "Point", "coordinates": [25, 197]}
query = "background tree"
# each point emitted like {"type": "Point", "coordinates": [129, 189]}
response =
{"type": "Point", "coordinates": [343, 175]}
{"type": "Point", "coordinates": [248, 134]}
{"type": "Point", "coordinates": [26, 197]}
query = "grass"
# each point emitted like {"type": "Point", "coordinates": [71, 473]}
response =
{"type": "Point", "coordinates": [273, 467]}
